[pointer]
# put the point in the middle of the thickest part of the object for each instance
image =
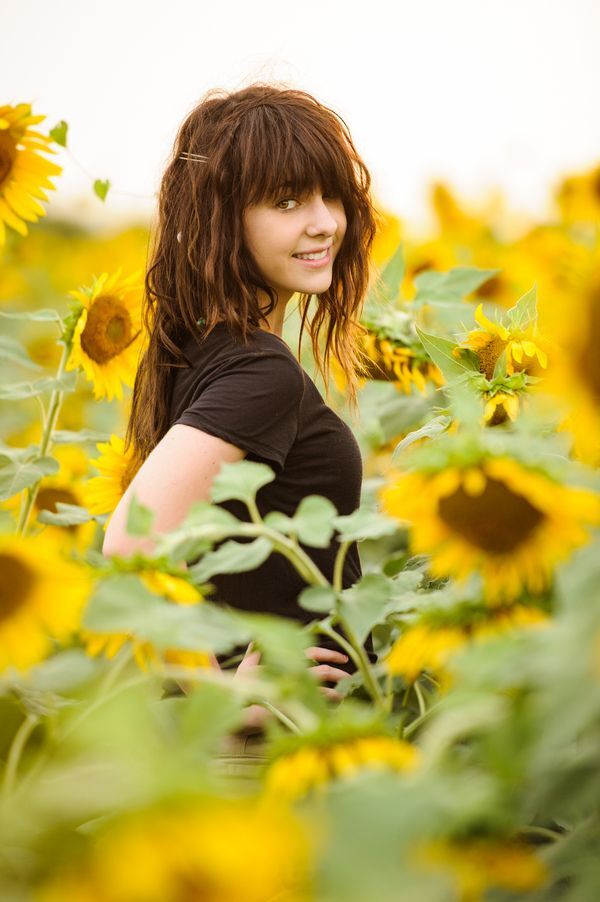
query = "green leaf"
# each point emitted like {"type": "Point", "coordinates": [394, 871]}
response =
{"type": "Point", "coordinates": [18, 391]}
{"type": "Point", "coordinates": [393, 274]}
{"type": "Point", "coordinates": [69, 437]}
{"type": "Point", "coordinates": [202, 513]}
{"type": "Point", "coordinates": [45, 315]}
{"type": "Point", "coordinates": [524, 312]}
{"type": "Point", "coordinates": [101, 188]}
{"type": "Point", "coordinates": [13, 350]}
{"type": "Point", "coordinates": [364, 523]}
{"type": "Point", "coordinates": [122, 604]}
{"type": "Point", "coordinates": [320, 599]}
{"type": "Point", "coordinates": [59, 133]}
{"type": "Point", "coordinates": [232, 557]}
{"type": "Point", "coordinates": [64, 671]}
{"type": "Point", "coordinates": [363, 605]}
{"type": "Point", "coordinates": [65, 515]}
{"type": "Point", "coordinates": [431, 429]}
{"type": "Point", "coordinates": [313, 521]}
{"type": "Point", "coordinates": [452, 285]}
{"type": "Point", "coordinates": [139, 519]}
{"type": "Point", "coordinates": [17, 474]}
{"type": "Point", "coordinates": [440, 350]}
{"type": "Point", "coordinates": [240, 481]}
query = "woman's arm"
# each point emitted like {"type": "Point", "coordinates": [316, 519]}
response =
{"type": "Point", "coordinates": [178, 472]}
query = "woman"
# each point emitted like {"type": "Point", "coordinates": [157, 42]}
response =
{"type": "Point", "coordinates": [264, 197]}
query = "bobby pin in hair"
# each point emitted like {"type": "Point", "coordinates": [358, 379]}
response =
{"type": "Point", "coordinates": [195, 157]}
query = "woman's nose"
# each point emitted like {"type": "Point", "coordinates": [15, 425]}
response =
{"type": "Point", "coordinates": [321, 221]}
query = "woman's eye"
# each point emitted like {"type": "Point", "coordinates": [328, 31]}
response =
{"type": "Point", "coordinates": [286, 200]}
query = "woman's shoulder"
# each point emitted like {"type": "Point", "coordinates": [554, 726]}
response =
{"type": "Point", "coordinates": [223, 343]}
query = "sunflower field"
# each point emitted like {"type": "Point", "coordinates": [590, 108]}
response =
{"type": "Point", "coordinates": [464, 762]}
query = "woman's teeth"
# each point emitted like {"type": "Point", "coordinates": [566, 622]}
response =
{"type": "Point", "coordinates": [318, 256]}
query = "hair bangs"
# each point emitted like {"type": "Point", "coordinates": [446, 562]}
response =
{"type": "Point", "coordinates": [279, 155]}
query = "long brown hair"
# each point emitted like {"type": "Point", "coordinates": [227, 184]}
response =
{"type": "Point", "coordinates": [200, 270]}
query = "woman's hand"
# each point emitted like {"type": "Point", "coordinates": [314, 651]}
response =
{"type": "Point", "coordinates": [324, 671]}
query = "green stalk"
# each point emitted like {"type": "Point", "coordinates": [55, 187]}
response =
{"type": "Point", "coordinates": [56, 400]}
{"type": "Point", "coordinates": [16, 750]}
{"type": "Point", "coordinates": [354, 650]}
{"type": "Point", "coordinates": [338, 567]}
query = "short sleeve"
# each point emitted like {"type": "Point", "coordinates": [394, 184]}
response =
{"type": "Point", "coordinates": [253, 402]}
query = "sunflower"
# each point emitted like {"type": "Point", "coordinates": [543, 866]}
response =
{"type": "Point", "coordinates": [508, 522]}
{"type": "Point", "coordinates": [24, 173]}
{"type": "Point", "coordinates": [41, 599]}
{"type": "Point", "coordinates": [429, 645]}
{"type": "Point", "coordinates": [117, 468]}
{"type": "Point", "coordinates": [217, 850]}
{"type": "Point", "coordinates": [480, 864]}
{"type": "Point", "coordinates": [500, 407]}
{"type": "Point", "coordinates": [174, 588]}
{"type": "Point", "coordinates": [107, 337]}
{"type": "Point", "coordinates": [389, 361]}
{"type": "Point", "coordinates": [523, 347]}
{"type": "Point", "coordinates": [314, 766]}
{"type": "Point", "coordinates": [578, 197]}
{"type": "Point", "coordinates": [576, 375]}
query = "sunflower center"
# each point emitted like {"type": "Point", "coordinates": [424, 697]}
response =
{"type": "Point", "coordinates": [589, 359]}
{"type": "Point", "coordinates": [108, 330]}
{"type": "Point", "coordinates": [596, 184]}
{"type": "Point", "coordinates": [8, 154]}
{"type": "Point", "coordinates": [497, 521]}
{"type": "Point", "coordinates": [48, 496]}
{"type": "Point", "coordinates": [15, 587]}
{"type": "Point", "coordinates": [489, 355]}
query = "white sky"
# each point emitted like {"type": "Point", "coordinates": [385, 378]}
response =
{"type": "Point", "coordinates": [482, 92]}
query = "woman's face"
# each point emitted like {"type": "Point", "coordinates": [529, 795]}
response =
{"type": "Point", "coordinates": [275, 233]}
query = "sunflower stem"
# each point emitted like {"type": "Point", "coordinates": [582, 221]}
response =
{"type": "Point", "coordinates": [420, 698]}
{"type": "Point", "coordinates": [56, 399]}
{"type": "Point", "coordinates": [287, 721]}
{"type": "Point", "coordinates": [16, 750]}
{"type": "Point", "coordinates": [355, 650]}
{"type": "Point", "coordinates": [338, 567]}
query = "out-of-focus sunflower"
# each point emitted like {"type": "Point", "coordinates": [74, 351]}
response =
{"type": "Point", "coordinates": [218, 850]}
{"type": "Point", "coordinates": [66, 487]}
{"type": "Point", "coordinates": [509, 523]}
{"type": "Point", "coordinates": [314, 766]}
{"type": "Point", "coordinates": [403, 366]}
{"type": "Point", "coordinates": [429, 645]}
{"type": "Point", "coordinates": [576, 375]}
{"type": "Point", "coordinates": [578, 197]}
{"type": "Point", "coordinates": [172, 587]}
{"type": "Point", "coordinates": [107, 337]}
{"type": "Point", "coordinates": [117, 468]}
{"type": "Point", "coordinates": [500, 407]}
{"type": "Point", "coordinates": [481, 864]}
{"type": "Point", "coordinates": [524, 348]}
{"type": "Point", "coordinates": [24, 172]}
{"type": "Point", "coordinates": [41, 599]}
{"type": "Point", "coordinates": [387, 237]}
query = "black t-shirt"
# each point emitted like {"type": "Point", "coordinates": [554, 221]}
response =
{"type": "Point", "coordinates": [258, 397]}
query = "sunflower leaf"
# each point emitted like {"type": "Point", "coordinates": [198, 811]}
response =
{"type": "Point", "coordinates": [524, 312]}
{"type": "Point", "coordinates": [364, 524]}
{"type": "Point", "coordinates": [363, 605]}
{"type": "Point", "coordinates": [393, 274]}
{"type": "Point", "coordinates": [65, 515]}
{"type": "Point", "coordinates": [240, 481]}
{"type": "Point", "coordinates": [69, 437]}
{"type": "Point", "coordinates": [232, 557]}
{"type": "Point", "coordinates": [13, 350]}
{"type": "Point", "coordinates": [101, 188]}
{"type": "Point", "coordinates": [433, 427]}
{"type": "Point", "coordinates": [441, 352]}
{"type": "Point", "coordinates": [17, 391]}
{"type": "Point", "coordinates": [45, 315]}
{"type": "Point", "coordinates": [452, 285]}
{"type": "Point", "coordinates": [59, 133]}
{"type": "Point", "coordinates": [139, 519]}
{"type": "Point", "coordinates": [18, 474]}
{"type": "Point", "coordinates": [320, 599]}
